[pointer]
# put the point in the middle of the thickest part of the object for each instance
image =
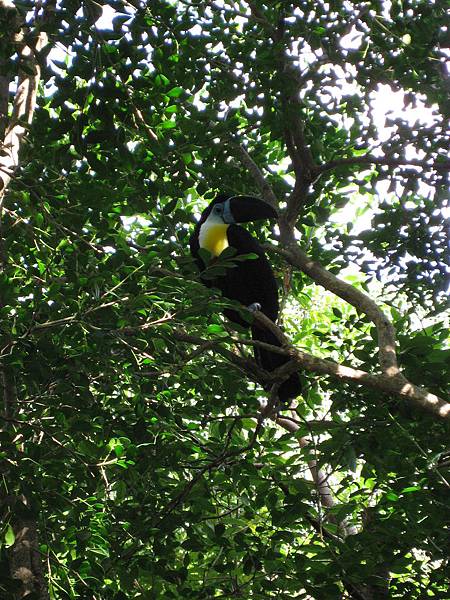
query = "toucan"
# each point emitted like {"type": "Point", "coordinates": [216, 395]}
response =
{"type": "Point", "coordinates": [250, 281]}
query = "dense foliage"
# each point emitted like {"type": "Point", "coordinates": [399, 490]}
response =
{"type": "Point", "coordinates": [132, 435]}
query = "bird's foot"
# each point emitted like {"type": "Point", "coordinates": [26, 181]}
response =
{"type": "Point", "coordinates": [254, 307]}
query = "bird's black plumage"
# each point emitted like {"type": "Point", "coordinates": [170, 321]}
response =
{"type": "Point", "coordinates": [249, 281]}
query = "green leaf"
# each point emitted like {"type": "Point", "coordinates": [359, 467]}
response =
{"type": "Point", "coordinates": [168, 125]}
{"type": "Point", "coordinates": [409, 490]}
{"type": "Point", "coordinates": [244, 257]}
{"type": "Point", "coordinates": [171, 109]}
{"type": "Point", "coordinates": [228, 253]}
{"type": "Point", "coordinates": [175, 92]}
{"type": "Point", "coordinates": [9, 537]}
{"type": "Point", "coordinates": [161, 79]}
{"type": "Point", "coordinates": [392, 497]}
{"type": "Point", "coordinates": [215, 329]}
{"type": "Point", "coordinates": [205, 255]}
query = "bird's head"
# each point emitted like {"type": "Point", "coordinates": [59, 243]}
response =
{"type": "Point", "coordinates": [227, 209]}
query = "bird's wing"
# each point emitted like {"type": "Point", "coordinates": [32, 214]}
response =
{"type": "Point", "coordinates": [251, 280]}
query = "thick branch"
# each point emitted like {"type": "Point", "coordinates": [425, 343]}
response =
{"type": "Point", "coordinates": [295, 139]}
{"type": "Point", "coordinates": [23, 108]}
{"type": "Point", "coordinates": [11, 23]}
{"type": "Point", "coordinates": [319, 477]}
{"type": "Point", "coordinates": [397, 385]}
{"type": "Point", "coordinates": [4, 94]}
{"type": "Point", "coordinates": [297, 147]}
{"type": "Point", "coordinates": [363, 303]}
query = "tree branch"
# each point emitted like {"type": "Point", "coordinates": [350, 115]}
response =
{"type": "Point", "coordinates": [363, 303]}
{"type": "Point", "coordinates": [262, 183]}
{"type": "Point", "coordinates": [23, 106]}
{"type": "Point", "coordinates": [319, 477]}
{"type": "Point", "coordinates": [397, 385]}
{"type": "Point", "coordinates": [392, 381]}
{"type": "Point", "coordinates": [11, 23]}
{"type": "Point", "coordinates": [246, 365]}
{"type": "Point", "coordinates": [298, 150]}
{"type": "Point", "coordinates": [25, 561]}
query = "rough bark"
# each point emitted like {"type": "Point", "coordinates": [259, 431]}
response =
{"type": "Point", "coordinates": [25, 562]}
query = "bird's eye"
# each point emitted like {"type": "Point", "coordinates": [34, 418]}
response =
{"type": "Point", "coordinates": [218, 209]}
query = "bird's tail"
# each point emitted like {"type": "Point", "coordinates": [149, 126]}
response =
{"type": "Point", "coordinates": [291, 387]}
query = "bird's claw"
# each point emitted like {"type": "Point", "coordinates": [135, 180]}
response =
{"type": "Point", "coordinates": [254, 307]}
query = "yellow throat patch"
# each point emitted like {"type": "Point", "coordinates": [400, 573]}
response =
{"type": "Point", "coordinates": [213, 237]}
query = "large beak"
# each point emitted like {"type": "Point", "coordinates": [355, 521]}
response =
{"type": "Point", "coordinates": [243, 209]}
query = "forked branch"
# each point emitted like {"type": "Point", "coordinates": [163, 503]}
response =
{"type": "Point", "coordinates": [391, 381]}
